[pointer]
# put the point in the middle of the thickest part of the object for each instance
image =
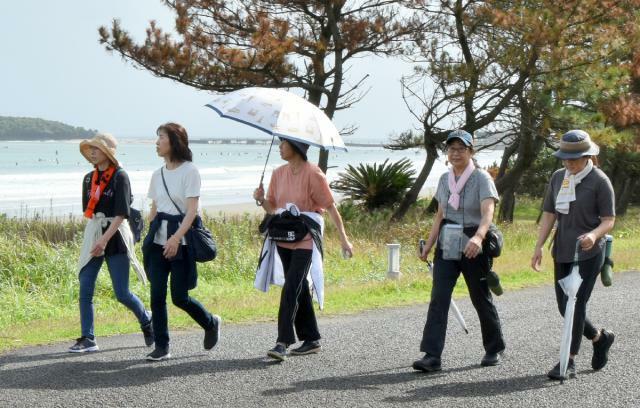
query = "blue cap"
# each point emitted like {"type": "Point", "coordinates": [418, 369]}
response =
{"type": "Point", "coordinates": [462, 135]}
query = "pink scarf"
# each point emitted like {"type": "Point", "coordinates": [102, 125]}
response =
{"type": "Point", "coordinates": [455, 188]}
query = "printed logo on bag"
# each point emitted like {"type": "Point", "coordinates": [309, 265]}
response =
{"type": "Point", "coordinates": [291, 235]}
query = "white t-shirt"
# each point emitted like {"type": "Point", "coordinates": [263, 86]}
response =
{"type": "Point", "coordinates": [183, 182]}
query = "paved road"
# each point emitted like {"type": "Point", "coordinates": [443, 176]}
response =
{"type": "Point", "coordinates": [366, 362]}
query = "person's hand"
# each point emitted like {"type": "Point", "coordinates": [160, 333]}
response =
{"type": "Point", "coordinates": [98, 248]}
{"type": "Point", "coordinates": [587, 241]}
{"type": "Point", "coordinates": [347, 249]}
{"type": "Point", "coordinates": [258, 193]}
{"type": "Point", "coordinates": [473, 247]}
{"type": "Point", "coordinates": [424, 255]}
{"type": "Point", "coordinates": [171, 247]}
{"type": "Point", "coordinates": [536, 259]}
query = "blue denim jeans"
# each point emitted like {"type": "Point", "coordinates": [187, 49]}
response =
{"type": "Point", "coordinates": [119, 271]}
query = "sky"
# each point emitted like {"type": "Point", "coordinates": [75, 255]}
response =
{"type": "Point", "coordinates": [53, 67]}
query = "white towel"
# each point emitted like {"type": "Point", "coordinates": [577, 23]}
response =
{"type": "Point", "coordinates": [93, 232]}
{"type": "Point", "coordinates": [567, 193]}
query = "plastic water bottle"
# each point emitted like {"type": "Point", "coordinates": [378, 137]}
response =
{"type": "Point", "coordinates": [606, 273]}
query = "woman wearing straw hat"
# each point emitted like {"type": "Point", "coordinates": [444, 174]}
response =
{"type": "Point", "coordinates": [581, 201]}
{"type": "Point", "coordinates": [466, 199]}
{"type": "Point", "coordinates": [174, 190]}
{"type": "Point", "coordinates": [106, 202]}
{"type": "Point", "coordinates": [300, 187]}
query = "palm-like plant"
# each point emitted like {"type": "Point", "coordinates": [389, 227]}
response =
{"type": "Point", "coordinates": [376, 186]}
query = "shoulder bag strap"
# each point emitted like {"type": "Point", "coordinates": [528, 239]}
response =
{"type": "Point", "coordinates": [167, 190]}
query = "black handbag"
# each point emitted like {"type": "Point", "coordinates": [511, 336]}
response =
{"type": "Point", "coordinates": [136, 223]}
{"type": "Point", "coordinates": [493, 242]}
{"type": "Point", "coordinates": [284, 227]}
{"type": "Point", "coordinates": [199, 237]}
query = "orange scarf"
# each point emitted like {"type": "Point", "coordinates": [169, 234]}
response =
{"type": "Point", "coordinates": [98, 188]}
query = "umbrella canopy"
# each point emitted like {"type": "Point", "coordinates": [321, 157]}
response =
{"type": "Point", "coordinates": [279, 113]}
{"type": "Point", "coordinates": [570, 286]}
{"type": "Point", "coordinates": [454, 307]}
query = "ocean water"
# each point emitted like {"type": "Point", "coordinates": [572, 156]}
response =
{"type": "Point", "coordinates": [45, 178]}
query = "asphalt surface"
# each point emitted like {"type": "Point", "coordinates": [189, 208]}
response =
{"type": "Point", "coordinates": [365, 362]}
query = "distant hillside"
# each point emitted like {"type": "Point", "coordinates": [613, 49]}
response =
{"type": "Point", "coordinates": [13, 128]}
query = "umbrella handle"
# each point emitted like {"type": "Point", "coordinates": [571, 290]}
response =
{"type": "Point", "coordinates": [575, 255]}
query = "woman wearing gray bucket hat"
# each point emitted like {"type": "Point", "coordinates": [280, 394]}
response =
{"type": "Point", "coordinates": [581, 201]}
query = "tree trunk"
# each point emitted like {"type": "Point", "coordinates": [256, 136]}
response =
{"type": "Point", "coordinates": [323, 160]}
{"type": "Point", "coordinates": [432, 208]}
{"type": "Point", "coordinates": [412, 195]}
{"type": "Point", "coordinates": [507, 205]}
{"type": "Point", "coordinates": [622, 204]}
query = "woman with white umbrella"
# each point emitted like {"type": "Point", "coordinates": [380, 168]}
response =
{"type": "Point", "coordinates": [305, 186]}
{"type": "Point", "coordinates": [581, 200]}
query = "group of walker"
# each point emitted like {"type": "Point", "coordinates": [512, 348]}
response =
{"type": "Point", "coordinates": [579, 201]}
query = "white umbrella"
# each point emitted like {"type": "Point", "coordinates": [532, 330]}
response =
{"type": "Point", "coordinates": [454, 308]}
{"type": "Point", "coordinates": [279, 113]}
{"type": "Point", "coordinates": [570, 285]}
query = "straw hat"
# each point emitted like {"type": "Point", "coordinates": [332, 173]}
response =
{"type": "Point", "coordinates": [103, 141]}
{"type": "Point", "coordinates": [576, 144]}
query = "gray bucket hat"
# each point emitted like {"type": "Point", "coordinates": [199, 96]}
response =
{"type": "Point", "coordinates": [576, 144]}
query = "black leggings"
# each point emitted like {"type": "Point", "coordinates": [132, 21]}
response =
{"type": "Point", "coordinates": [589, 271]}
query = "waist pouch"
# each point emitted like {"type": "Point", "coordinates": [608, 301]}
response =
{"type": "Point", "coordinates": [284, 227]}
{"type": "Point", "coordinates": [493, 240]}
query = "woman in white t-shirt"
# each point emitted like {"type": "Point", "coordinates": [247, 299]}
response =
{"type": "Point", "coordinates": [174, 191]}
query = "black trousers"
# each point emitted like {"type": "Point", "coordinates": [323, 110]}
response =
{"type": "Point", "coordinates": [159, 270]}
{"type": "Point", "coordinates": [445, 275]}
{"type": "Point", "coordinates": [589, 271]}
{"type": "Point", "coordinates": [296, 305]}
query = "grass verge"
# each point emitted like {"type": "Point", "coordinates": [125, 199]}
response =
{"type": "Point", "coordinates": [39, 289]}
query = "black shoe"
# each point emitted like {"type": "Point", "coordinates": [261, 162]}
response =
{"type": "Point", "coordinates": [159, 353]}
{"type": "Point", "coordinates": [308, 347]}
{"type": "Point", "coordinates": [554, 374]}
{"type": "Point", "coordinates": [147, 332]}
{"type": "Point", "coordinates": [428, 364]}
{"type": "Point", "coordinates": [84, 345]}
{"type": "Point", "coordinates": [491, 359]}
{"type": "Point", "coordinates": [212, 336]}
{"type": "Point", "coordinates": [601, 349]}
{"type": "Point", "coordinates": [279, 352]}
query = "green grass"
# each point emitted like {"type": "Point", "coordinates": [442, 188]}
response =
{"type": "Point", "coordinates": [39, 289]}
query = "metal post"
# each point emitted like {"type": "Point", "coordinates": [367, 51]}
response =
{"type": "Point", "coordinates": [394, 261]}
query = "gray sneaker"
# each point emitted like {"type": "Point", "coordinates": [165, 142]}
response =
{"type": "Point", "coordinates": [83, 345]}
{"type": "Point", "coordinates": [212, 336]}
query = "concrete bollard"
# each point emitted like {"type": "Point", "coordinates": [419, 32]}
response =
{"type": "Point", "coordinates": [394, 261]}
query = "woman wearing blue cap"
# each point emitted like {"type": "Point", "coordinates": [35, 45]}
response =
{"type": "Point", "coordinates": [580, 199]}
{"type": "Point", "coordinates": [466, 198]}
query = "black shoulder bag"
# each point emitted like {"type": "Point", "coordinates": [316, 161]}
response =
{"type": "Point", "coordinates": [493, 242]}
{"type": "Point", "coordinates": [201, 240]}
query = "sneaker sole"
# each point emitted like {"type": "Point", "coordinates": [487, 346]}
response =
{"type": "Point", "coordinates": [85, 350]}
{"type": "Point", "coordinates": [304, 353]}
{"type": "Point", "coordinates": [165, 357]}
{"type": "Point", "coordinates": [276, 356]}
{"type": "Point", "coordinates": [426, 369]}
{"type": "Point", "coordinates": [218, 324]}
{"type": "Point", "coordinates": [559, 378]}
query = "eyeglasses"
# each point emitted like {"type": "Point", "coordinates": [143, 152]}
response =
{"type": "Point", "coordinates": [458, 150]}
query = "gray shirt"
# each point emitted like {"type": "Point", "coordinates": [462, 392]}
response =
{"type": "Point", "coordinates": [594, 200]}
{"type": "Point", "coordinates": [478, 187]}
